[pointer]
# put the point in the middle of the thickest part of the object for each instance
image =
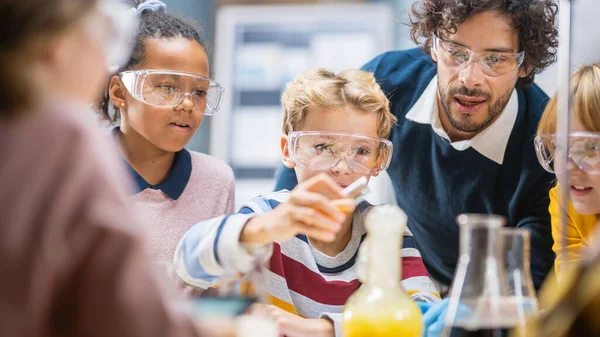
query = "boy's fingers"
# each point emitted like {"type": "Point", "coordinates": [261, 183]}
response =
{"type": "Point", "coordinates": [312, 217]}
{"type": "Point", "coordinates": [315, 233]}
{"type": "Point", "coordinates": [318, 202]}
{"type": "Point", "coordinates": [325, 185]}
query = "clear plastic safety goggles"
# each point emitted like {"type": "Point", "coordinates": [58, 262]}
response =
{"type": "Point", "coordinates": [584, 152]}
{"type": "Point", "coordinates": [317, 150]}
{"type": "Point", "coordinates": [113, 28]}
{"type": "Point", "coordinates": [168, 89]}
{"type": "Point", "coordinates": [492, 64]}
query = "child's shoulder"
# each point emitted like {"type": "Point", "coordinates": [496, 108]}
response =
{"type": "Point", "coordinates": [266, 202]}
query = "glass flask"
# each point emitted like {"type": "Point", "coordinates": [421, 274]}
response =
{"type": "Point", "coordinates": [254, 286]}
{"type": "Point", "coordinates": [380, 308]}
{"type": "Point", "coordinates": [481, 302]}
{"type": "Point", "coordinates": [516, 259]}
{"type": "Point", "coordinates": [237, 300]}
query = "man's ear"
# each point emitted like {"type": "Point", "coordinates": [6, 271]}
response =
{"type": "Point", "coordinates": [524, 71]}
{"type": "Point", "coordinates": [432, 51]}
{"type": "Point", "coordinates": [117, 92]}
{"type": "Point", "coordinates": [285, 152]}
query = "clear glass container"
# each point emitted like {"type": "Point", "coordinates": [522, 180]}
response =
{"type": "Point", "coordinates": [481, 301]}
{"type": "Point", "coordinates": [516, 259]}
{"type": "Point", "coordinates": [237, 302]}
{"type": "Point", "coordinates": [380, 308]}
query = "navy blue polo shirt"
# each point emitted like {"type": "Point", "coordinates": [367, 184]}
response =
{"type": "Point", "coordinates": [176, 181]}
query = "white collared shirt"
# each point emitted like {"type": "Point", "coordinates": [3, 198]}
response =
{"type": "Point", "coordinates": [491, 142]}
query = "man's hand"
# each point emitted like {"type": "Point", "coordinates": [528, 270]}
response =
{"type": "Point", "coordinates": [310, 210]}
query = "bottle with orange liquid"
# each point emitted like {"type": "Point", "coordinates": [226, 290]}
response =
{"type": "Point", "coordinates": [379, 308]}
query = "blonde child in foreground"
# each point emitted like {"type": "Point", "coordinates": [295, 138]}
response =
{"type": "Point", "coordinates": [335, 129]}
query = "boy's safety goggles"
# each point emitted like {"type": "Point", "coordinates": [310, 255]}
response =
{"type": "Point", "coordinates": [318, 150]}
{"type": "Point", "coordinates": [584, 152]}
{"type": "Point", "coordinates": [168, 89]}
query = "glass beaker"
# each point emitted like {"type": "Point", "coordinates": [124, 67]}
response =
{"type": "Point", "coordinates": [516, 259]}
{"type": "Point", "coordinates": [254, 285]}
{"type": "Point", "coordinates": [238, 298]}
{"type": "Point", "coordinates": [480, 303]}
{"type": "Point", "coordinates": [379, 308]}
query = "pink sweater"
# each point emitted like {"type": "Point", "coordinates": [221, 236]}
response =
{"type": "Point", "coordinates": [208, 193]}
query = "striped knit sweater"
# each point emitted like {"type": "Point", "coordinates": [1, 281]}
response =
{"type": "Point", "coordinates": [301, 279]}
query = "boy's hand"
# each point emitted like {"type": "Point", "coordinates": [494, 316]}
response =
{"type": "Point", "coordinates": [309, 210]}
{"type": "Point", "coordinates": [290, 325]}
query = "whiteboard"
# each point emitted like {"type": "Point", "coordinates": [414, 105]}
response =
{"type": "Point", "coordinates": [260, 48]}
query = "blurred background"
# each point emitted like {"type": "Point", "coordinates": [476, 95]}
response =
{"type": "Point", "coordinates": [258, 46]}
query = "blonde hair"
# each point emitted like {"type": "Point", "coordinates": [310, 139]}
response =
{"type": "Point", "coordinates": [323, 89]}
{"type": "Point", "coordinates": [585, 101]}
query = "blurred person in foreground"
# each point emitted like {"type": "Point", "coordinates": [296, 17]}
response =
{"type": "Point", "coordinates": [72, 263]}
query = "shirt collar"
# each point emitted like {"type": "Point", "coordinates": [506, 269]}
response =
{"type": "Point", "coordinates": [490, 142]}
{"type": "Point", "coordinates": [175, 183]}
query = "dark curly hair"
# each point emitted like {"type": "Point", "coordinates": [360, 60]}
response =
{"type": "Point", "coordinates": [152, 25]}
{"type": "Point", "coordinates": [534, 20]}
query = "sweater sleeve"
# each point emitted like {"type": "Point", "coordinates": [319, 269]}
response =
{"type": "Point", "coordinates": [210, 251]}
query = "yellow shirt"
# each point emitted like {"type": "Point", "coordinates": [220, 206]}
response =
{"type": "Point", "coordinates": [579, 230]}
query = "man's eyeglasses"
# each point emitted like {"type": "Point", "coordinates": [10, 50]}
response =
{"type": "Point", "coordinates": [492, 64]}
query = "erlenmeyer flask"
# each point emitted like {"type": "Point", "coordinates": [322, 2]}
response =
{"type": "Point", "coordinates": [379, 308]}
{"type": "Point", "coordinates": [516, 259]}
{"type": "Point", "coordinates": [481, 303]}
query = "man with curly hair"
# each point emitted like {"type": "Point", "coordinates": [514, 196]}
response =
{"type": "Point", "coordinates": [467, 112]}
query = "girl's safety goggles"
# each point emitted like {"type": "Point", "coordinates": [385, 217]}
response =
{"type": "Point", "coordinates": [168, 89]}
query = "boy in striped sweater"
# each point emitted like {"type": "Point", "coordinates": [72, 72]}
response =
{"type": "Point", "coordinates": [335, 130]}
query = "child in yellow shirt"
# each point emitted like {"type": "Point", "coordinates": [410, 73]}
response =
{"type": "Point", "coordinates": [583, 206]}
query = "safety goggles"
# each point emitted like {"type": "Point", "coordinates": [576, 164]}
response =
{"type": "Point", "coordinates": [113, 28]}
{"type": "Point", "coordinates": [584, 152]}
{"type": "Point", "coordinates": [317, 150]}
{"type": "Point", "coordinates": [168, 89]}
{"type": "Point", "coordinates": [492, 64]}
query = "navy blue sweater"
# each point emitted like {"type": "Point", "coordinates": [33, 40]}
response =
{"type": "Point", "coordinates": [434, 182]}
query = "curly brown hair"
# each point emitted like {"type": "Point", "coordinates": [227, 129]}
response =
{"type": "Point", "coordinates": [535, 21]}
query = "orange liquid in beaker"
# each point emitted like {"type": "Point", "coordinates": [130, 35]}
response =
{"type": "Point", "coordinates": [400, 320]}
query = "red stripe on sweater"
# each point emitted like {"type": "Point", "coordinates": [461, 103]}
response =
{"type": "Point", "coordinates": [305, 282]}
{"type": "Point", "coordinates": [413, 266]}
